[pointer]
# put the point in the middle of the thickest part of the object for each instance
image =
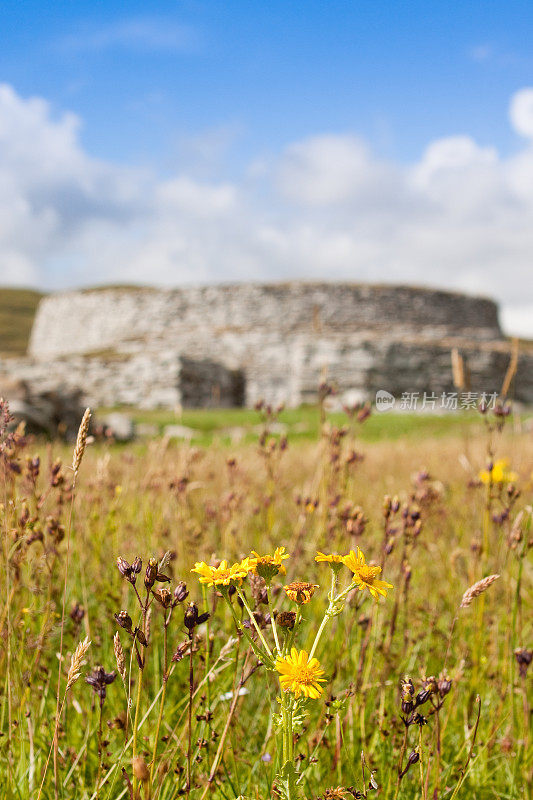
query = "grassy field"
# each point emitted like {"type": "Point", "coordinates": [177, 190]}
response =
{"type": "Point", "coordinates": [421, 698]}
{"type": "Point", "coordinates": [242, 425]}
{"type": "Point", "coordinates": [17, 310]}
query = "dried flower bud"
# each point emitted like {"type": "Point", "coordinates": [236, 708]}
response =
{"type": "Point", "coordinates": [414, 757]}
{"type": "Point", "coordinates": [124, 620]}
{"type": "Point", "coordinates": [191, 617]}
{"type": "Point", "coordinates": [163, 596]}
{"type": "Point", "coordinates": [151, 573]}
{"type": "Point", "coordinates": [444, 685]}
{"type": "Point", "coordinates": [140, 636]}
{"type": "Point", "coordinates": [422, 697]}
{"type": "Point", "coordinates": [180, 651]}
{"type": "Point", "coordinates": [286, 619]}
{"type": "Point", "coordinates": [99, 679]}
{"type": "Point", "coordinates": [180, 592]}
{"type": "Point", "coordinates": [136, 565]}
{"type": "Point", "coordinates": [123, 567]}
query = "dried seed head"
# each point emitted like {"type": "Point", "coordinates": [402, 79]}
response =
{"type": "Point", "coordinates": [163, 596]}
{"type": "Point", "coordinates": [140, 769]}
{"type": "Point", "coordinates": [286, 619]}
{"type": "Point", "coordinates": [99, 679]}
{"type": "Point", "coordinates": [81, 440]}
{"type": "Point", "coordinates": [124, 620]}
{"type": "Point", "coordinates": [444, 685]}
{"type": "Point", "coordinates": [476, 589]}
{"type": "Point", "coordinates": [76, 662]}
{"type": "Point", "coordinates": [119, 656]}
{"type": "Point", "coordinates": [180, 651]}
{"type": "Point", "coordinates": [191, 618]}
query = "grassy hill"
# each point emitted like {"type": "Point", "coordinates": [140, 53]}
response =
{"type": "Point", "coordinates": [17, 310]}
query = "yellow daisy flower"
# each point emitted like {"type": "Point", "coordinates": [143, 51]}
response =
{"type": "Point", "coordinates": [300, 675]}
{"type": "Point", "coordinates": [223, 575]}
{"type": "Point", "coordinates": [300, 592]}
{"type": "Point", "coordinates": [332, 558]}
{"type": "Point", "coordinates": [499, 473]}
{"type": "Point", "coordinates": [366, 576]}
{"type": "Point", "coordinates": [268, 566]}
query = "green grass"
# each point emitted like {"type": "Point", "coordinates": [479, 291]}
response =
{"type": "Point", "coordinates": [17, 311]}
{"type": "Point", "coordinates": [303, 424]}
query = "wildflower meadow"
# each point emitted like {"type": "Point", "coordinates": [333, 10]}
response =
{"type": "Point", "coordinates": [318, 619]}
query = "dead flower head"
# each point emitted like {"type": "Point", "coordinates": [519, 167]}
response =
{"type": "Point", "coordinates": [300, 592]}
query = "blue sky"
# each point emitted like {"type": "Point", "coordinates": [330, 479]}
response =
{"type": "Point", "coordinates": [178, 142]}
{"type": "Point", "coordinates": [146, 76]}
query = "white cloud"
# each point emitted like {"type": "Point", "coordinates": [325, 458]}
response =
{"type": "Point", "coordinates": [521, 112]}
{"type": "Point", "coordinates": [460, 217]}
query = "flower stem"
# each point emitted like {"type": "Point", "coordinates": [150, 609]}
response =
{"type": "Point", "coordinates": [163, 693]}
{"type": "Point", "coordinates": [273, 621]}
{"type": "Point", "coordinates": [254, 622]}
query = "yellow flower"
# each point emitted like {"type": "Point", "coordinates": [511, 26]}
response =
{"type": "Point", "coordinates": [499, 473]}
{"type": "Point", "coordinates": [366, 576]}
{"type": "Point", "coordinates": [300, 675]}
{"type": "Point", "coordinates": [300, 592]}
{"type": "Point", "coordinates": [223, 575]}
{"type": "Point", "coordinates": [268, 566]}
{"type": "Point", "coordinates": [332, 558]}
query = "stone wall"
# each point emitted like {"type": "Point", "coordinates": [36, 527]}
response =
{"type": "Point", "coordinates": [81, 322]}
{"type": "Point", "coordinates": [237, 344]}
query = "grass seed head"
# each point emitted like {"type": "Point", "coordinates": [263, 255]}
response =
{"type": "Point", "coordinates": [476, 589]}
{"type": "Point", "coordinates": [81, 440]}
{"type": "Point", "coordinates": [76, 662]}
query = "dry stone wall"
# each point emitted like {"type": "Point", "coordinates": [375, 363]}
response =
{"type": "Point", "coordinates": [237, 344]}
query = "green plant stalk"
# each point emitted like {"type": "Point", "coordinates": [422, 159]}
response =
{"type": "Point", "coordinates": [139, 686]}
{"type": "Point", "coordinates": [254, 622]}
{"type": "Point", "coordinates": [331, 610]}
{"type": "Point", "coordinates": [267, 660]}
{"type": "Point", "coordinates": [272, 620]}
{"type": "Point", "coordinates": [163, 693]}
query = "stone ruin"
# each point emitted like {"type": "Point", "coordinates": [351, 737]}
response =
{"type": "Point", "coordinates": [233, 345]}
